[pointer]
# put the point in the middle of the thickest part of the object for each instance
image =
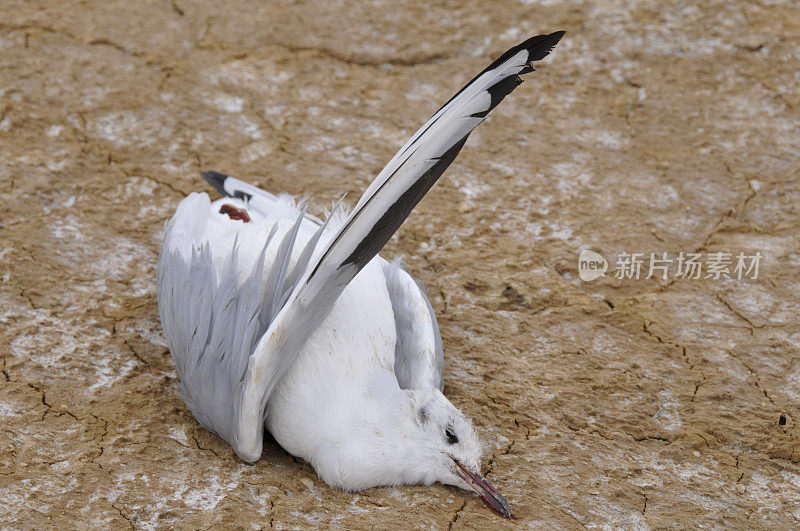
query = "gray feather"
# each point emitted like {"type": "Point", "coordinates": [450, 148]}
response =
{"type": "Point", "coordinates": [213, 321]}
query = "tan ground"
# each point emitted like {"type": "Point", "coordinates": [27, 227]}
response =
{"type": "Point", "coordinates": [655, 127]}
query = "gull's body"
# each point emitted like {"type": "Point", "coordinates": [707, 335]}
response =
{"type": "Point", "coordinates": [348, 362]}
{"type": "Point", "coordinates": [275, 318]}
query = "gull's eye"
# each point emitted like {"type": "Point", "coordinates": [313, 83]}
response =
{"type": "Point", "coordinates": [451, 437]}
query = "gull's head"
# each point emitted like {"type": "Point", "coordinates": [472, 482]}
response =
{"type": "Point", "coordinates": [416, 437]}
{"type": "Point", "coordinates": [450, 446]}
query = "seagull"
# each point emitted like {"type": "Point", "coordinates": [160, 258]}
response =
{"type": "Point", "coordinates": [281, 320]}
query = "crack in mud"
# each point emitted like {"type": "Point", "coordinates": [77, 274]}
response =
{"type": "Point", "coordinates": [456, 516]}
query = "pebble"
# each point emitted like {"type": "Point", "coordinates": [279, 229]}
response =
{"type": "Point", "coordinates": [751, 43]}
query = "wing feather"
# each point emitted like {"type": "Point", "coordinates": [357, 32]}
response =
{"type": "Point", "coordinates": [211, 317]}
{"type": "Point", "coordinates": [418, 355]}
{"type": "Point", "coordinates": [256, 199]}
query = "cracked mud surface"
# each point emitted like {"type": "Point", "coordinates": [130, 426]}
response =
{"type": "Point", "coordinates": [655, 127]}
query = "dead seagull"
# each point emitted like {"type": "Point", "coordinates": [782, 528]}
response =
{"type": "Point", "coordinates": [276, 318]}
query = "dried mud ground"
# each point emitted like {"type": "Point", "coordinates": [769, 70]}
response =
{"type": "Point", "coordinates": [654, 127]}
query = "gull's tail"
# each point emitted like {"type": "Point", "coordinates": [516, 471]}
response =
{"type": "Point", "coordinates": [384, 206]}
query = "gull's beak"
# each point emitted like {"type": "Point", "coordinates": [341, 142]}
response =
{"type": "Point", "coordinates": [494, 499]}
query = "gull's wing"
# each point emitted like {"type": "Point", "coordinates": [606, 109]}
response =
{"type": "Point", "coordinates": [214, 312]}
{"type": "Point", "coordinates": [256, 199]}
{"type": "Point", "coordinates": [380, 212]}
{"type": "Point", "coordinates": [418, 355]}
{"type": "Point", "coordinates": [231, 187]}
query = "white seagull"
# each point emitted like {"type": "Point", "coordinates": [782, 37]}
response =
{"type": "Point", "coordinates": [277, 319]}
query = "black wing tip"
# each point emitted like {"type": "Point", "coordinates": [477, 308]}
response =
{"type": "Point", "coordinates": [215, 179]}
{"type": "Point", "coordinates": [540, 46]}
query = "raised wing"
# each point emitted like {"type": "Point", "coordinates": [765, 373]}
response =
{"type": "Point", "coordinates": [378, 214]}
{"type": "Point", "coordinates": [418, 355]}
